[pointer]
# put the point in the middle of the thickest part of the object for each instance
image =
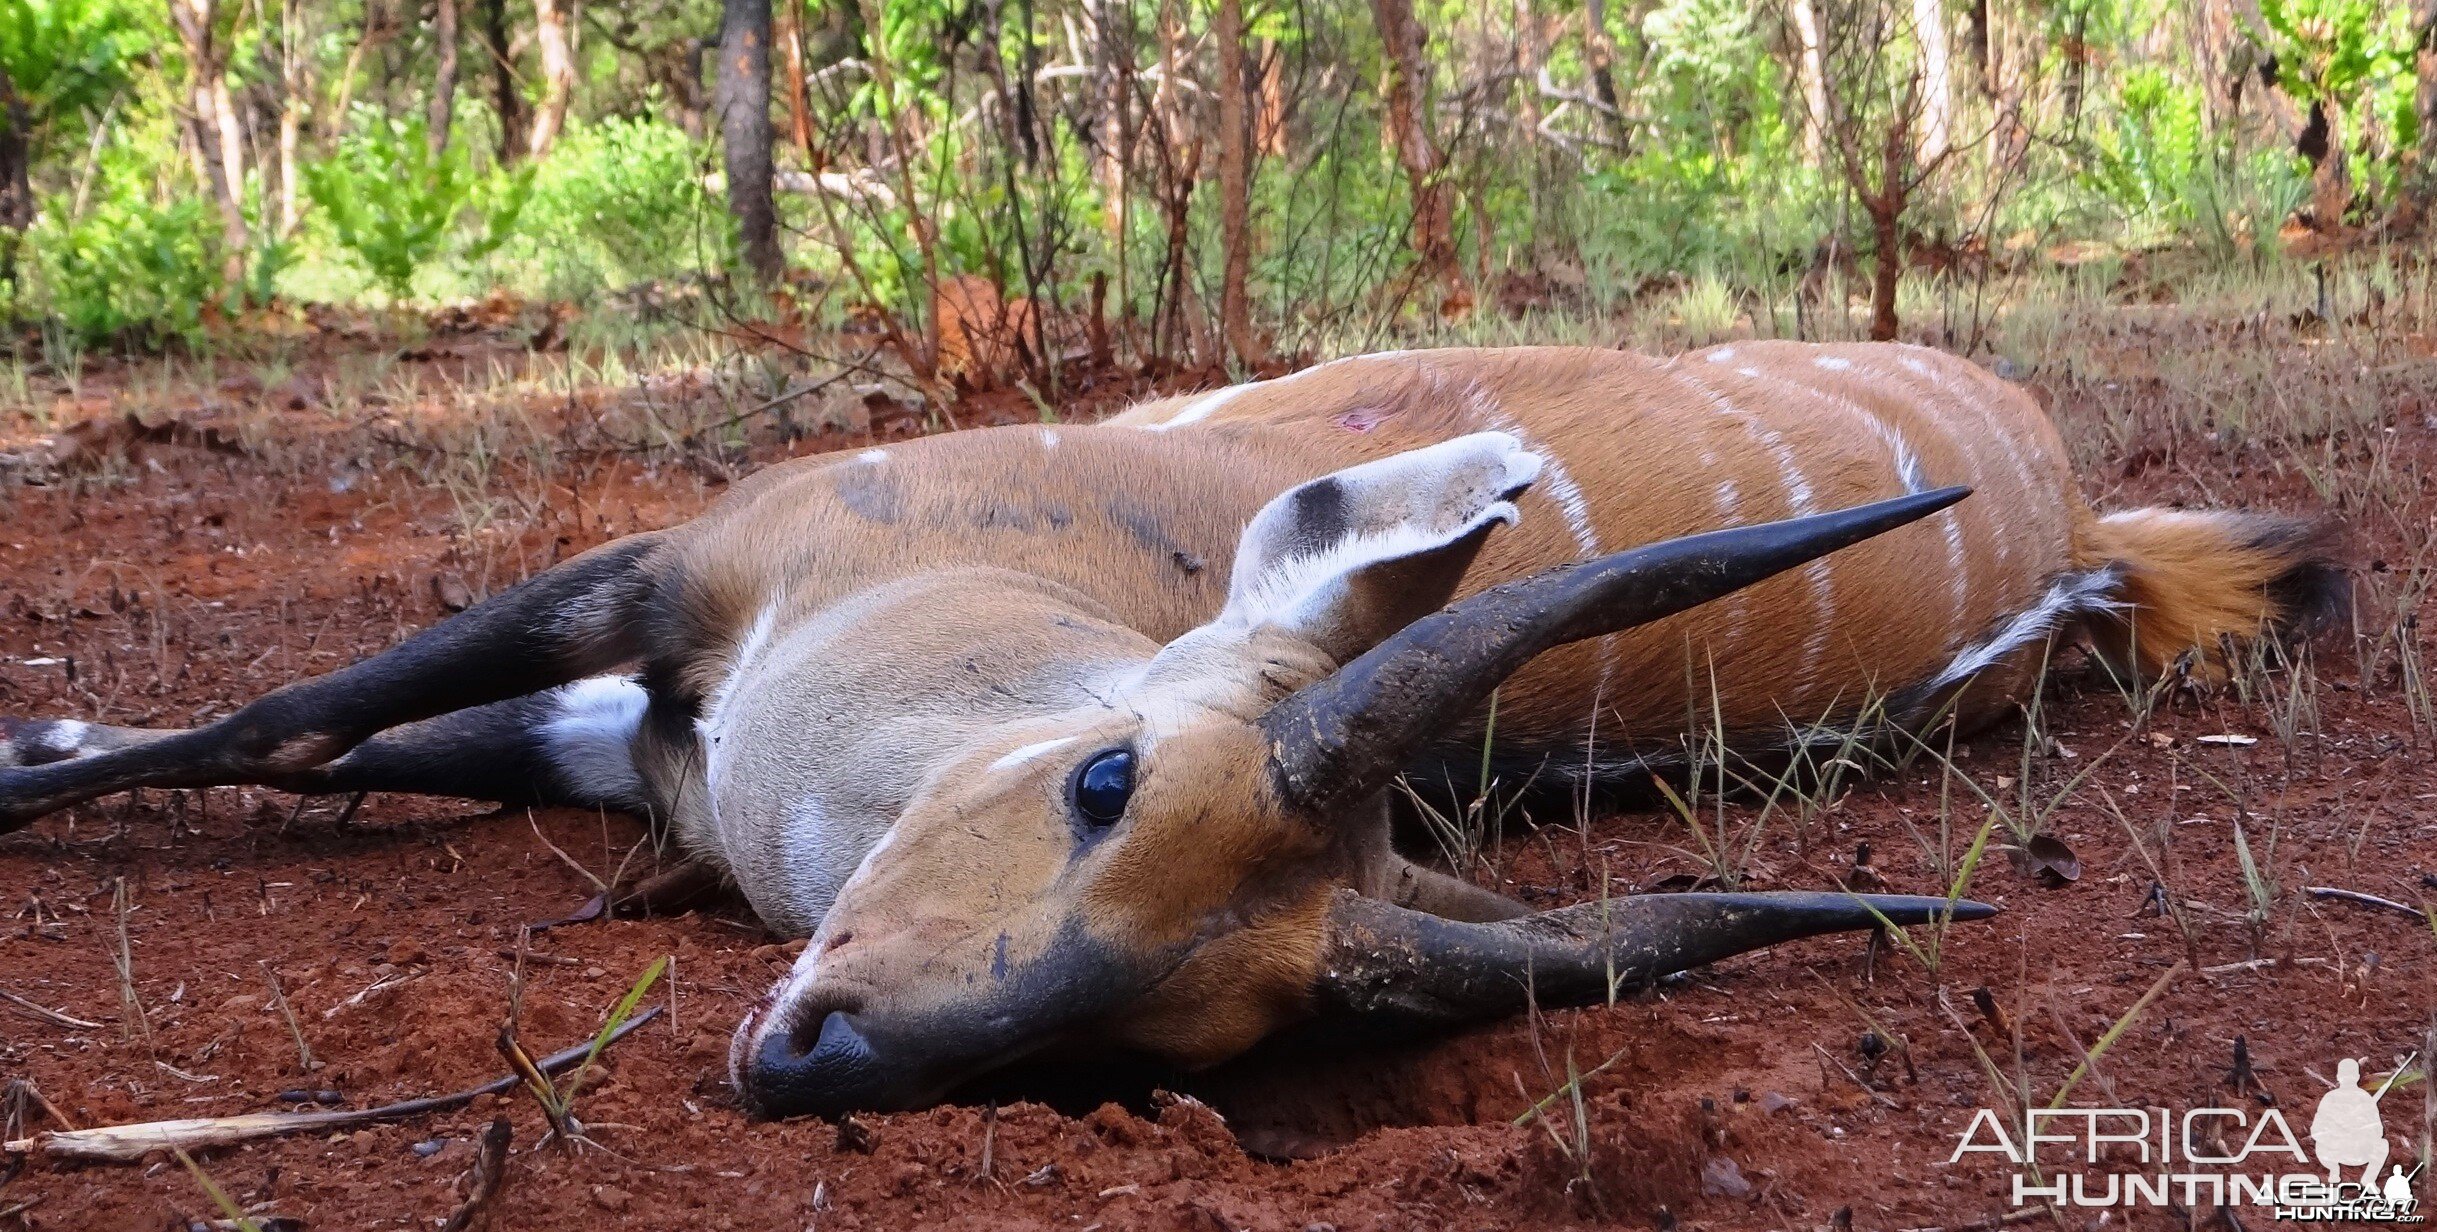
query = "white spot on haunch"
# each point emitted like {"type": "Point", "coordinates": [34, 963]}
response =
{"type": "Point", "coordinates": [58, 739]}
{"type": "Point", "coordinates": [1833, 363]}
{"type": "Point", "coordinates": [1030, 751]}
{"type": "Point", "coordinates": [1722, 355]}
{"type": "Point", "coordinates": [590, 737]}
{"type": "Point", "coordinates": [1049, 438]}
{"type": "Point", "coordinates": [1748, 372]}
{"type": "Point", "coordinates": [872, 455]}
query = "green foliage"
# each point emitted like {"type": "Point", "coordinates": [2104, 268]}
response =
{"type": "Point", "coordinates": [2153, 163]}
{"type": "Point", "coordinates": [620, 202]}
{"type": "Point", "coordinates": [66, 57]}
{"type": "Point", "coordinates": [397, 207]}
{"type": "Point", "coordinates": [129, 272]}
{"type": "Point", "coordinates": [2329, 50]}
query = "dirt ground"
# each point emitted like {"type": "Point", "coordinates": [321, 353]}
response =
{"type": "Point", "coordinates": [1818, 1085]}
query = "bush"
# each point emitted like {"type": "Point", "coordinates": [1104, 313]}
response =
{"type": "Point", "coordinates": [618, 202]}
{"type": "Point", "coordinates": [129, 272]}
{"type": "Point", "coordinates": [396, 206]}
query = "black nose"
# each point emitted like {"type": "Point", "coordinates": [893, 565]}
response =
{"type": "Point", "coordinates": [839, 1072]}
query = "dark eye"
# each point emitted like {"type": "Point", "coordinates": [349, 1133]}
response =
{"type": "Point", "coordinates": [1102, 788]}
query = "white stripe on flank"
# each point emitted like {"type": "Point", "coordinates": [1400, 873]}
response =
{"type": "Point", "coordinates": [1201, 408]}
{"type": "Point", "coordinates": [1558, 484]}
{"type": "Point", "coordinates": [2074, 594]}
{"type": "Point", "coordinates": [1833, 363]}
{"type": "Point", "coordinates": [1030, 751]}
{"type": "Point", "coordinates": [1722, 355]}
{"type": "Point", "coordinates": [872, 455]}
{"type": "Point", "coordinates": [1801, 501]}
{"type": "Point", "coordinates": [757, 639]}
{"type": "Point", "coordinates": [1953, 396]}
{"type": "Point", "coordinates": [1049, 438]}
{"type": "Point", "coordinates": [1738, 611]}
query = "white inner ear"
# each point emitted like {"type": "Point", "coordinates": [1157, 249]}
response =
{"type": "Point", "coordinates": [1298, 555]}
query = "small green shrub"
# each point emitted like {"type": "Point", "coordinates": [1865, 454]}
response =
{"type": "Point", "coordinates": [620, 201]}
{"type": "Point", "coordinates": [397, 207]}
{"type": "Point", "coordinates": [130, 272]}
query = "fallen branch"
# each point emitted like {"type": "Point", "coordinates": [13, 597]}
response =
{"type": "Point", "coordinates": [2366, 900]}
{"type": "Point", "coordinates": [130, 1143]}
{"type": "Point", "coordinates": [45, 1013]}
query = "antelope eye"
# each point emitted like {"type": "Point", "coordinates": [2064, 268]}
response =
{"type": "Point", "coordinates": [1103, 787]}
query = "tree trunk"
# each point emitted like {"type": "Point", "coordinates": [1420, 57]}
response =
{"type": "Point", "coordinates": [744, 127]}
{"type": "Point", "coordinates": [788, 28]}
{"type": "Point", "coordinates": [293, 83]}
{"type": "Point", "coordinates": [1407, 82]}
{"type": "Point", "coordinates": [2077, 69]}
{"type": "Point", "coordinates": [2419, 180]}
{"type": "Point", "coordinates": [506, 100]}
{"type": "Point", "coordinates": [444, 77]}
{"type": "Point", "coordinates": [553, 34]}
{"type": "Point", "coordinates": [1810, 65]}
{"type": "Point", "coordinates": [1886, 228]}
{"type": "Point", "coordinates": [2322, 143]}
{"type": "Point", "coordinates": [1976, 39]}
{"type": "Point", "coordinates": [215, 126]}
{"type": "Point", "coordinates": [1937, 81]}
{"type": "Point", "coordinates": [1113, 53]}
{"type": "Point", "coordinates": [2215, 61]}
{"type": "Point", "coordinates": [1599, 57]}
{"type": "Point", "coordinates": [1269, 119]}
{"type": "Point", "coordinates": [16, 182]}
{"type": "Point", "coordinates": [1235, 180]}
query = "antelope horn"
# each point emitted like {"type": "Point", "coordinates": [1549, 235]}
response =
{"type": "Point", "coordinates": [1339, 740]}
{"type": "Point", "coordinates": [1385, 966]}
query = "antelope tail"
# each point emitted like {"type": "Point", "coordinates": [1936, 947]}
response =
{"type": "Point", "coordinates": [2193, 579]}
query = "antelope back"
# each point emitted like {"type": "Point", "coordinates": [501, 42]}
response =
{"type": "Point", "coordinates": [1640, 450]}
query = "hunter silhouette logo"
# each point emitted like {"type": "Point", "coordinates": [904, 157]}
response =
{"type": "Point", "coordinates": [2216, 1156]}
{"type": "Point", "coordinates": [2347, 1131]}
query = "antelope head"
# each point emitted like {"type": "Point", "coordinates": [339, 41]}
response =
{"type": "Point", "coordinates": [1178, 849]}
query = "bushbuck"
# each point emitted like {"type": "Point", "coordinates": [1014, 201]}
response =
{"type": "Point", "coordinates": [1071, 737]}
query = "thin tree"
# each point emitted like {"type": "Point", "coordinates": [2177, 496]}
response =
{"type": "Point", "coordinates": [219, 143]}
{"type": "Point", "coordinates": [444, 76]}
{"type": "Point", "coordinates": [1235, 186]}
{"type": "Point", "coordinates": [1937, 79]}
{"type": "Point", "coordinates": [295, 63]}
{"type": "Point", "coordinates": [744, 126]}
{"type": "Point", "coordinates": [1599, 57]}
{"type": "Point", "coordinates": [556, 41]}
{"type": "Point", "coordinates": [1406, 79]}
{"type": "Point", "coordinates": [507, 101]}
{"type": "Point", "coordinates": [2419, 186]}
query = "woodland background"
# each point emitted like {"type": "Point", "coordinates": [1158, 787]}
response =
{"type": "Point", "coordinates": [992, 188]}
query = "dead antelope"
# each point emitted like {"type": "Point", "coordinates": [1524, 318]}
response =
{"type": "Point", "coordinates": [1069, 737]}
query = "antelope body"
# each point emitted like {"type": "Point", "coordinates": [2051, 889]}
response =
{"type": "Point", "coordinates": [1074, 735]}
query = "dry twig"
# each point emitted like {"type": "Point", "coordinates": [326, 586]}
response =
{"type": "Point", "coordinates": [130, 1143]}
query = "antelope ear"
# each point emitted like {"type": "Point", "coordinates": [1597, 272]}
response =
{"type": "Point", "coordinates": [1349, 558]}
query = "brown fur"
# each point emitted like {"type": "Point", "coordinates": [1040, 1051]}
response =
{"type": "Point", "coordinates": [2194, 580]}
